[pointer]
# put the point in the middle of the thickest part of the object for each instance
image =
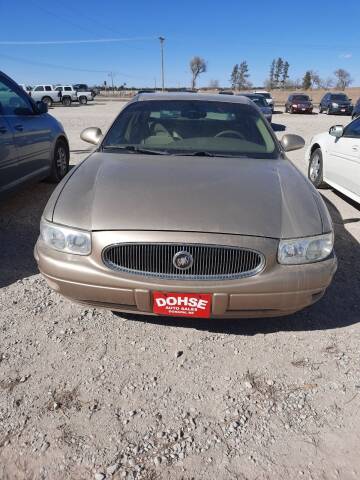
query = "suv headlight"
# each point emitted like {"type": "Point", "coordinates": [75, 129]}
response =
{"type": "Point", "coordinates": [305, 250]}
{"type": "Point", "coordinates": [335, 105]}
{"type": "Point", "coordinates": [64, 239]}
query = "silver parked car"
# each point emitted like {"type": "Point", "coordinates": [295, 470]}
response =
{"type": "Point", "coordinates": [33, 144]}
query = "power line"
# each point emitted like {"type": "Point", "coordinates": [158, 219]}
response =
{"type": "Point", "coordinates": [62, 67]}
{"type": "Point", "coordinates": [75, 42]}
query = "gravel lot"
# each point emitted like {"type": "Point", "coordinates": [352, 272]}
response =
{"type": "Point", "coordinates": [87, 394]}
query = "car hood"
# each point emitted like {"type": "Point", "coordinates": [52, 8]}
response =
{"type": "Point", "coordinates": [110, 191]}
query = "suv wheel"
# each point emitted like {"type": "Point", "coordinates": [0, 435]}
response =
{"type": "Point", "coordinates": [48, 101]}
{"type": "Point", "coordinates": [320, 109]}
{"type": "Point", "coordinates": [315, 171]}
{"type": "Point", "coordinates": [83, 100]}
{"type": "Point", "coordinates": [60, 162]}
{"type": "Point", "coordinates": [66, 101]}
{"type": "Point", "coordinates": [328, 111]}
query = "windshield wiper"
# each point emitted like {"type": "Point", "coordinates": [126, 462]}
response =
{"type": "Point", "coordinates": [132, 148]}
{"type": "Point", "coordinates": [208, 154]}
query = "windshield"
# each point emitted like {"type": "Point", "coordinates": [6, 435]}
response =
{"type": "Point", "coordinates": [185, 127]}
{"type": "Point", "coordinates": [264, 95]}
{"type": "Point", "coordinates": [301, 98]}
{"type": "Point", "coordinates": [260, 101]}
{"type": "Point", "coordinates": [339, 98]}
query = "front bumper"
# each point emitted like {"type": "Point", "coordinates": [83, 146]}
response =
{"type": "Point", "coordinates": [341, 110]}
{"type": "Point", "coordinates": [302, 109]}
{"type": "Point", "coordinates": [277, 290]}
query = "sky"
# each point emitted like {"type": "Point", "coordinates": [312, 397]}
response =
{"type": "Point", "coordinates": [84, 41]}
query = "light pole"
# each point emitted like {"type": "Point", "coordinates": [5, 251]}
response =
{"type": "Point", "coordinates": [162, 39]}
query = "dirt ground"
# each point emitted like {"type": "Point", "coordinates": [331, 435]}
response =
{"type": "Point", "coordinates": [88, 394]}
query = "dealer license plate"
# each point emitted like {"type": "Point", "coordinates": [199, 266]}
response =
{"type": "Point", "coordinates": [196, 305]}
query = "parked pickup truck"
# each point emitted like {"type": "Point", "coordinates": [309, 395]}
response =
{"type": "Point", "coordinates": [82, 87]}
{"type": "Point", "coordinates": [69, 94]}
{"type": "Point", "coordinates": [45, 93]}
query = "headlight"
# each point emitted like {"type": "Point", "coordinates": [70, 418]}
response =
{"type": "Point", "coordinates": [335, 105]}
{"type": "Point", "coordinates": [294, 105]}
{"type": "Point", "coordinates": [64, 239]}
{"type": "Point", "coordinates": [305, 250]}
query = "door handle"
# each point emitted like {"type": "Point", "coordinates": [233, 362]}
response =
{"type": "Point", "coordinates": [3, 130]}
{"type": "Point", "coordinates": [19, 128]}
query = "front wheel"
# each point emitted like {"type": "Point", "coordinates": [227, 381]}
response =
{"type": "Point", "coordinates": [48, 101]}
{"type": "Point", "coordinates": [328, 111]}
{"type": "Point", "coordinates": [60, 162]}
{"type": "Point", "coordinates": [315, 171]}
{"type": "Point", "coordinates": [320, 109]}
{"type": "Point", "coordinates": [83, 100]}
{"type": "Point", "coordinates": [66, 101]}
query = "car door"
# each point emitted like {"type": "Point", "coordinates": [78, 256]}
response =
{"type": "Point", "coordinates": [343, 159]}
{"type": "Point", "coordinates": [9, 168]}
{"type": "Point", "coordinates": [31, 131]}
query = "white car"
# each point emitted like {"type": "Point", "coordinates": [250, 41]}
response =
{"type": "Point", "coordinates": [46, 94]}
{"type": "Point", "coordinates": [267, 96]}
{"type": "Point", "coordinates": [333, 158]}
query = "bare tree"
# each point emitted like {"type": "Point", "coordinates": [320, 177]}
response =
{"type": "Point", "coordinates": [343, 78]}
{"type": "Point", "coordinates": [316, 81]}
{"type": "Point", "coordinates": [328, 83]}
{"type": "Point", "coordinates": [214, 83]}
{"type": "Point", "coordinates": [197, 66]}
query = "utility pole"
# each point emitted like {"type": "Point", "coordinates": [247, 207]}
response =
{"type": "Point", "coordinates": [162, 39]}
{"type": "Point", "coordinates": [111, 75]}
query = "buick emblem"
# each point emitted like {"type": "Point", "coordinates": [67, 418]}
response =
{"type": "Point", "coordinates": [183, 260]}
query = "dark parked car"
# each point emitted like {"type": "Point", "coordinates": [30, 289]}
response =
{"type": "Point", "coordinates": [33, 144]}
{"type": "Point", "coordinates": [262, 104]}
{"type": "Point", "coordinates": [336, 103]}
{"type": "Point", "coordinates": [299, 103]}
{"type": "Point", "coordinates": [83, 87]}
{"type": "Point", "coordinates": [356, 110]}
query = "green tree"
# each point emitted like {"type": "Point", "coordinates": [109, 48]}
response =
{"type": "Point", "coordinates": [234, 77]}
{"type": "Point", "coordinates": [306, 84]}
{"type": "Point", "coordinates": [285, 73]}
{"type": "Point", "coordinates": [271, 74]}
{"type": "Point", "coordinates": [243, 76]}
{"type": "Point", "coordinates": [279, 65]}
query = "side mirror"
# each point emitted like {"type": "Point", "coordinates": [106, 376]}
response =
{"type": "Point", "coordinates": [337, 131]}
{"type": "Point", "coordinates": [350, 99]}
{"type": "Point", "coordinates": [291, 142]}
{"type": "Point", "coordinates": [91, 135]}
{"type": "Point", "coordinates": [41, 107]}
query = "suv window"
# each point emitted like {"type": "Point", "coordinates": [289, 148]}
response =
{"type": "Point", "coordinates": [39, 89]}
{"type": "Point", "coordinates": [12, 103]}
{"type": "Point", "coordinates": [48, 88]}
{"type": "Point", "coordinates": [353, 130]}
{"type": "Point", "coordinates": [58, 89]}
{"type": "Point", "coordinates": [67, 89]}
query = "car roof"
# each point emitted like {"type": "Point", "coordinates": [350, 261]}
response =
{"type": "Point", "coordinates": [205, 97]}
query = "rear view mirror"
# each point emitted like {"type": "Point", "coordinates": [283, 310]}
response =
{"type": "Point", "coordinates": [292, 142]}
{"type": "Point", "coordinates": [41, 107]}
{"type": "Point", "coordinates": [91, 135]}
{"type": "Point", "coordinates": [336, 131]}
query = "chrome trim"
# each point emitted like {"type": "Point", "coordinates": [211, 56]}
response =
{"type": "Point", "coordinates": [162, 259]}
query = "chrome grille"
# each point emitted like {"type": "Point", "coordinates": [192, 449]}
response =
{"type": "Point", "coordinates": [210, 262]}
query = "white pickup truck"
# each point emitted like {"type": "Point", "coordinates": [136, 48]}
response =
{"type": "Point", "coordinates": [69, 94]}
{"type": "Point", "coordinates": [46, 94]}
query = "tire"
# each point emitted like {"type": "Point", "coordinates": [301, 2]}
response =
{"type": "Point", "coordinates": [60, 161]}
{"type": "Point", "coordinates": [286, 109]}
{"type": "Point", "coordinates": [315, 170]}
{"type": "Point", "coordinates": [66, 101]}
{"type": "Point", "coordinates": [320, 109]}
{"type": "Point", "coordinates": [83, 100]}
{"type": "Point", "coordinates": [328, 111]}
{"type": "Point", "coordinates": [48, 101]}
